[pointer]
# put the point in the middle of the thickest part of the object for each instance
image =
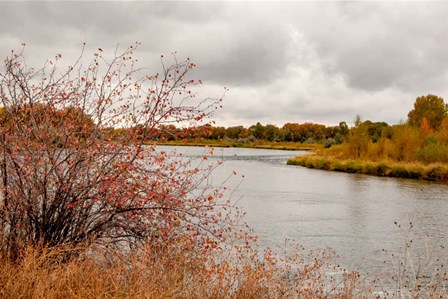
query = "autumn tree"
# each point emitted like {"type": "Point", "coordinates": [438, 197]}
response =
{"type": "Point", "coordinates": [374, 129]}
{"type": "Point", "coordinates": [429, 107]}
{"type": "Point", "coordinates": [71, 118]}
{"type": "Point", "coordinates": [94, 186]}
{"type": "Point", "coordinates": [271, 133]}
{"type": "Point", "coordinates": [234, 132]}
{"type": "Point", "coordinates": [426, 128]}
{"type": "Point", "coordinates": [257, 130]}
{"type": "Point", "coordinates": [291, 131]}
{"type": "Point", "coordinates": [358, 141]}
{"type": "Point", "coordinates": [443, 131]}
{"type": "Point", "coordinates": [218, 133]}
{"type": "Point", "coordinates": [406, 140]}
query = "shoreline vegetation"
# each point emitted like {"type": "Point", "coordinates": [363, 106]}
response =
{"type": "Point", "coordinates": [320, 158]}
{"type": "Point", "coordinates": [437, 172]}
{"type": "Point", "coordinates": [259, 144]}
{"type": "Point", "coordinates": [417, 149]}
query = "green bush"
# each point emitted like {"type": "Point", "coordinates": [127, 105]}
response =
{"type": "Point", "coordinates": [399, 172]}
{"type": "Point", "coordinates": [433, 173]}
{"type": "Point", "coordinates": [370, 168]}
{"type": "Point", "coordinates": [353, 167]}
{"type": "Point", "coordinates": [309, 163]}
{"type": "Point", "coordinates": [382, 169]}
{"type": "Point", "coordinates": [415, 172]}
{"type": "Point", "coordinates": [323, 164]}
{"type": "Point", "coordinates": [338, 166]}
{"type": "Point", "coordinates": [328, 142]}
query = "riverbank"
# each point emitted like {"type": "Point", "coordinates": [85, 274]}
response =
{"type": "Point", "coordinates": [292, 146]}
{"type": "Point", "coordinates": [429, 172]}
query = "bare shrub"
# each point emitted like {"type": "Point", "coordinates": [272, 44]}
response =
{"type": "Point", "coordinates": [74, 166]}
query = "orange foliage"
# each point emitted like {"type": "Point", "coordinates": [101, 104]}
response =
{"type": "Point", "coordinates": [426, 128]}
{"type": "Point", "coordinates": [443, 131]}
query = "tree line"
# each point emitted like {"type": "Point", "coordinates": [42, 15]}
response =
{"type": "Point", "coordinates": [290, 132]}
{"type": "Point", "coordinates": [82, 125]}
{"type": "Point", "coordinates": [422, 138]}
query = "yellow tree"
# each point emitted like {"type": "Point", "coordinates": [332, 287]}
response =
{"type": "Point", "coordinates": [432, 107]}
{"type": "Point", "coordinates": [443, 131]}
{"type": "Point", "coordinates": [358, 142]}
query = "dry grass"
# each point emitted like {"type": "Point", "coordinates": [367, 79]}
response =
{"type": "Point", "coordinates": [178, 271]}
{"type": "Point", "coordinates": [174, 271]}
{"type": "Point", "coordinates": [412, 170]}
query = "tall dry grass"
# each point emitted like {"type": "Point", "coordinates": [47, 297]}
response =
{"type": "Point", "coordinates": [175, 271]}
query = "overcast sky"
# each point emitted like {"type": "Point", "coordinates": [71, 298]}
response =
{"type": "Point", "coordinates": [321, 62]}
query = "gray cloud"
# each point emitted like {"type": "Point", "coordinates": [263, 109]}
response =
{"type": "Point", "coordinates": [379, 45]}
{"type": "Point", "coordinates": [283, 61]}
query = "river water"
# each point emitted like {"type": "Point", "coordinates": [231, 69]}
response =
{"type": "Point", "coordinates": [353, 214]}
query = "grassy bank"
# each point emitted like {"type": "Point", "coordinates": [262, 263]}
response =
{"type": "Point", "coordinates": [255, 144]}
{"type": "Point", "coordinates": [430, 172]}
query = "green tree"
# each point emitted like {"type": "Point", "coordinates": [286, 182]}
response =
{"type": "Point", "coordinates": [257, 130]}
{"type": "Point", "coordinates": [218, 133]}
{"type": "Point", "coordinates": [358, 120]}
{"type": "Point", "coordinates": [271, 132]}
{"type": "Point", "coordinates": [374, 129]}
{"type": "Point", "coordinates": [431, 107]}
{"type": "Point", "coordinates": [290, 131]}
{"type": "Point", "coordinates": [343, 128]}
{"type": "Point", "coordinates": [234, 132]}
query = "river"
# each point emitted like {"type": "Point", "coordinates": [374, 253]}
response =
{"type": "Point", "coordinates": [353, 214]}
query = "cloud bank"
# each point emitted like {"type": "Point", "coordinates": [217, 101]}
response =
{"type": "Point", "coordinates": [282, 61]}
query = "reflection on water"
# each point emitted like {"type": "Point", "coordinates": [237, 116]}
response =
{"type": "Point", "coordinates": [353, 214]}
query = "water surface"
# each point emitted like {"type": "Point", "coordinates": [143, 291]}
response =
{"type": "Point", "coordinates": [353, 214]}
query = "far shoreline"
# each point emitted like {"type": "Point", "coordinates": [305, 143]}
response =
{"type": "Point", "coordinates": [288, 146]}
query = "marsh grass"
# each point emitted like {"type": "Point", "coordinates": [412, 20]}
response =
{"type": "Point", "coordinates": [410, 170]}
